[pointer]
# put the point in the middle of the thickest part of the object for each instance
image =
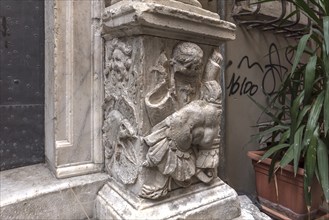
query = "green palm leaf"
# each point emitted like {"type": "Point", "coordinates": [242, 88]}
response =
{"type": "Point", "coordinates": [322, 153]}
{"type": "Point", "coordinates": [309, 78]}
{"type": "Point", "coordinates": [287, 157]}
{"type": "Point", "coordinates": [297, 146]}
{"type": "Point", "coordinates": [313, 120]}
{"type": "Point", "coordinates": [307, 10]}
{"type": "Point", "coordinates": [326, 109]}
{"type": "Point", "coordinates": [326, 33]}
{"type": "Point", "coordinates": [310, 166]}
{"type": "Point", "coordinates": [273, 150]}
{"type": "Point", "coordinates": [300, 49]}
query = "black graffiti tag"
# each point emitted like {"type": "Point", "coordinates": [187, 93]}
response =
{"type": "Point", "coordinates": [246, 87]}
{"type": "Point", "coordinates": [273, 74]}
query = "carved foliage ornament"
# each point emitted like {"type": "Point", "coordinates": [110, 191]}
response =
{"type": "Point", "coordinates": [120, 141]}
{"type": "Point", "coordinates": [119, 128]}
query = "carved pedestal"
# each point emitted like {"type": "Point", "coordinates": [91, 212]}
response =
{"type": "Point", "coordinates": [162, 112]}
{"type": "Point", "coordinates": [217, 201]}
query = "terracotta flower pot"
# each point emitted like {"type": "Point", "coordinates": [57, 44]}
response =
{"type": "Point", "coordinates": [287, 199]}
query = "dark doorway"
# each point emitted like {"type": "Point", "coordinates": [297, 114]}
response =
{"type": "Point", "coordinates": [21, 83]}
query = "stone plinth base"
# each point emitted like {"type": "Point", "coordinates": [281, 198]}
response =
{"type": "Point", "coordinates": [217, 201]}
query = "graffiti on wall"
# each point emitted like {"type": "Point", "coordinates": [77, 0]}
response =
{"type": "Point", "coordinates": [272, 71]}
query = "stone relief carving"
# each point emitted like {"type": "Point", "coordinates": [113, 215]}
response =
{"type": "Point", "coordinates": [119, 76]}
{"type": "Point", "coordinates": [177, 88]}
{"type": "Point", "coordinates": [119, 129]}
{"type": "Point", "coordinates": [163, 111]}
{"type": "Point", "coordinates": [184, 108]}
{"type": "Point", "coordinates": [190, 2]}
{"type": "Point", "coordinates": [159, 102]}
{"type": "Point", "coordinates": [184, 141]}
{"type": "Point", "coordinates": [120, 142]}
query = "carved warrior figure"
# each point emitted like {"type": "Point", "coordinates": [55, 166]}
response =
{"type": "Point", "coordinates": [179, 87]}
{"type": "Point", "coordinates": [185, 142]}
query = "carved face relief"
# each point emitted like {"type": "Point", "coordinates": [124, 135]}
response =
{"type": "Point", "coordinates": [187, 59]}
{"type": "Point", "coordinates": [187, 65]}
{"type": "Point", "coordinates": [118, 67]}
{"type": "Point", "coordinates": [119, 76]}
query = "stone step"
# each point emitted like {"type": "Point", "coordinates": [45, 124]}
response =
{"type": "Point", "coordinates": [32, 192]}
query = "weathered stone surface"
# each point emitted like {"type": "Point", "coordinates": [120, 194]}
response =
{"type": "Point", "coordinates": [73, 87]}
{"type": "Point", "coordinates": [217, 201]}
{"type": "Point", "coordinates": [163, 111]}
{"type": "Point", "coordinates": [166, 18]}
{"type": "Point", "coordinates": [32, 192]}
{"type": "Point", "coordinates": [189, 2]}
{"type": "Point", "coordinates": [250, 211]}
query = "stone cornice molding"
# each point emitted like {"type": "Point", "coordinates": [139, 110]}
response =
{"type": "Point", "coordinates": [170, 19]}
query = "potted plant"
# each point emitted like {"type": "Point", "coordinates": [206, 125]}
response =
{"type": "Point", "coordinates": [300, 114]}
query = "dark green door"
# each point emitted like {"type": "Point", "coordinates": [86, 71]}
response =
{"type": "Point", "coordinates": [21, 83]}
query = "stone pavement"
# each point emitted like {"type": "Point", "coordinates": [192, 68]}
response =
{"type": "Point", "coordinates": [249, 211]}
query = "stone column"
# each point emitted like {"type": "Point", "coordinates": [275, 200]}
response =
{"type": "Point", "coordinates": [73, 87]}
{"type": "Point", "coordinates": [162, 112]}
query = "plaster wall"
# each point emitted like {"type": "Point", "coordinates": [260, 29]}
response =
{"type": "Point", "coordinates": [255, 65]}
